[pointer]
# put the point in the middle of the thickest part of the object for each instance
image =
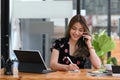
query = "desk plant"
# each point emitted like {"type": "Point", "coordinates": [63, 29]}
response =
{"type": "Point", "coordinates": [112, 60]}
{"type": "Point", "coordinates": [103, 44]}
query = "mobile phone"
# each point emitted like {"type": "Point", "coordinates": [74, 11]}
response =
{"type": "Point", "coordinates": [83, 41]}
{"type": "Point", "coordinates": [85, 33]}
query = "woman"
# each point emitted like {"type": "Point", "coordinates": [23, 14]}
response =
{"type": "Point", "coordinates": [76, 45]}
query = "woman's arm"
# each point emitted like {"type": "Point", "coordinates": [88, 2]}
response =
{"type": "Point", "coordinates": [57, 66]}
{"type": "Point", "coordinates": [95, 60]}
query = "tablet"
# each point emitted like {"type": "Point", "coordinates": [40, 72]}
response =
{"type": "Point", "coordinates": [31, 61]}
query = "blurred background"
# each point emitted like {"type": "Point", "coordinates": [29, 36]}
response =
{"type": "Point", "coordinates": [35, 24]}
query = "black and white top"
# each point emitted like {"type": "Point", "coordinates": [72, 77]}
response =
{"type": "Point", "coordinates": [62, 45]}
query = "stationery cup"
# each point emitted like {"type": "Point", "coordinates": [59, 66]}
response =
{"type": "Point", "coordinates": [108, 67]}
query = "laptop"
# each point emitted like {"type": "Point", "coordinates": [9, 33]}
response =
{"type": "Point", "coordinates": [31, 61]}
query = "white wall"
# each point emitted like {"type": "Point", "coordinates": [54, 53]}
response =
{"type": "Point", "coordinates": [41, 9]}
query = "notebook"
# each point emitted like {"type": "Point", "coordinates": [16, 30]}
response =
{"type": "Point", "coordinates": [31, 61]}
{"type": "Point", "coordinates": [99, 73]}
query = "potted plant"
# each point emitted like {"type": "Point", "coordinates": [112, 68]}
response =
{"type": "Point", "coordinates": [102, 44]}
{"type": "Point", "coordinates": [111, 61]}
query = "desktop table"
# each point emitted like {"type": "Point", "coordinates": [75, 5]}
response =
{"type": "Point", "coordinates": [58, 75]}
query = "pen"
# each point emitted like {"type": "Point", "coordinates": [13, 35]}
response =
{"type": "Point", "coordinates": [69, 60]}
{"type": "Point", "coordinates": [72, 63]}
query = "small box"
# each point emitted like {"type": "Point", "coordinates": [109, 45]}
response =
{"type": "Point", "coordinates": [116, 70]}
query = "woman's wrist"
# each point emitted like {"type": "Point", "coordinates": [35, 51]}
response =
{"type": "Point", "coordinates": [67, 67]}
{"type": "Point", "coordinates": [90, 47]}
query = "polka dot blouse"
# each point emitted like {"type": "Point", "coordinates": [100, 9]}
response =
{"type": "Point", "coordinates": [62, 45]}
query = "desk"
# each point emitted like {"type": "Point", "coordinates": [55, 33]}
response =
{"type": "Point", "coordinates": [59, 75]}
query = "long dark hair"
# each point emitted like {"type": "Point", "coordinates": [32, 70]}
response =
{"type": "Point", "coordinates": [82, 49]}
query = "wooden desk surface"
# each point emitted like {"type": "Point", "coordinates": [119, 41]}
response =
{"type": "Point", "coordinates": [59, 75]}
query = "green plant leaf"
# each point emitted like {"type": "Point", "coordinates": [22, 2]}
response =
{"type": "Point", "coordinates": [103, 32]}
{"type": "Point", "coordinates": [106, 44]}
{"type": "Point", "coordinates": [100, 53]}
{"type": "Point", "coordinates": [114, 60]}
{"type": "Point", "coordinates": [109, 60]}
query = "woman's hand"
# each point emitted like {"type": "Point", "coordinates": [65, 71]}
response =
{"type": "Point", "coordinates": [87, 37]}
{"type": "Point", "coordinates": [73, 67]}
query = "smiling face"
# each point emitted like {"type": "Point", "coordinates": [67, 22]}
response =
{"type": "Point", "coordinates": [76, 31]}
{"type": "Point", "coordinates": [76, 28]}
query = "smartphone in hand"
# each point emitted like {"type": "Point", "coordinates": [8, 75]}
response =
{"type": "Point", "coordinates": [83, 38]}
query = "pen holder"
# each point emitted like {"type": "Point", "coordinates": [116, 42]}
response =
{"type": "Point", "coordinates": [8, 70]}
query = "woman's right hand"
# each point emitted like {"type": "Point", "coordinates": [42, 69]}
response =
{"type": "Point", "coordinates": [73, 67]}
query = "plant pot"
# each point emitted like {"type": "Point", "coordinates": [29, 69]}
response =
{"type": "Point", "coordinates": [108, 67]}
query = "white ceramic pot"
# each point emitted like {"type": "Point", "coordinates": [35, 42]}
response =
{"type": "Point", "coordinates": [108, 67]}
